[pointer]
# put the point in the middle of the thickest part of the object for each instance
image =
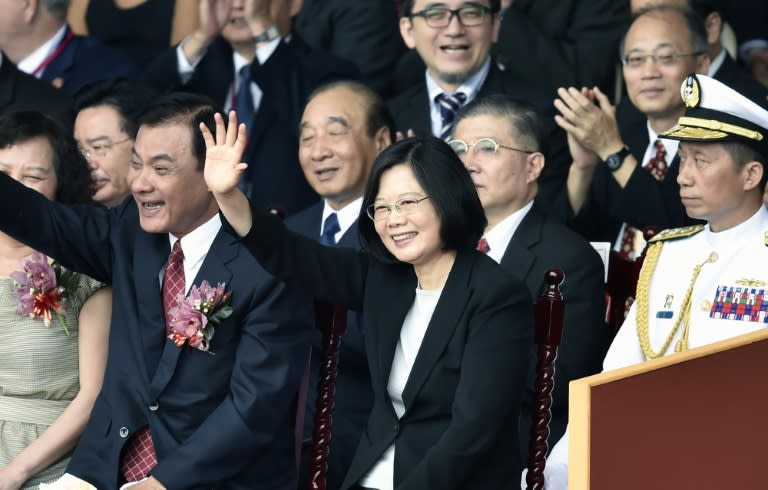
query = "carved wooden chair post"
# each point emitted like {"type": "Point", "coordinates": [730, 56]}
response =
{"type": "Point", "coordinates": [332, 321]}
{"type": "Point", "coordinates": [549, 328]}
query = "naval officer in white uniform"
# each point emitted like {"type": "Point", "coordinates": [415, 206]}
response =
{"type": "Point", "coordinates": [704, 283]}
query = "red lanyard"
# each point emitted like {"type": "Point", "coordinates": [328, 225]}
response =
{"type": "Point", "coordinates": [47, 61]}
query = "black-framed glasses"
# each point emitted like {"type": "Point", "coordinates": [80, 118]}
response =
{"type": "Point", "coordinates": [101, 149]}
{"type": "Point", "coordinates": [482, 147]}
{"type": "Point", "coordinates": [664, 57]}
{"type": "Point", "coordinates": [379, 211]}
{"type": "Point", "coordinates": [469, 15]}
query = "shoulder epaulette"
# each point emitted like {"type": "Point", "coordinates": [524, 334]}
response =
{"type": "Point", "coordinates": [675, 233]}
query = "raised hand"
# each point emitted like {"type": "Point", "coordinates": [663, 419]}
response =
{"type": "Point", "coordinates": [214, 15]}
{"type": "Point", "coordinates": [223, 154]}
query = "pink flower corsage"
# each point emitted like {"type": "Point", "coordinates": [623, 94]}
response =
{"type": "Point", "coordinates": [193, 318]}
{"type": "Point", "coordinates": [43, 289]}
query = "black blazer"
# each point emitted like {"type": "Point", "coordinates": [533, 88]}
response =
{"type": "Point", "coordinates": [290, 74]}
{"type": "Point", "coordinates": [539, 244]}
{"type": "Point", "coordinates": [733, 75]}
{"type": "Point", "coordinates": [354, 396]}
{"type": "Point", "coordinates": [462, 398]}
{"type": "Point", "coordinates": [411, 110]}
{"type": "Point", "coordinates": [22, 92]}
{"type": "Point", "coordinates": [221, 421]}
{"type": "Point", "coordinates": [84, 60]}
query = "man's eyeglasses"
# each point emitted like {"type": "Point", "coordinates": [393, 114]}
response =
{"type": "Point", "coordinates": [482, 147]}
{"type": "Point", "coordinates": [380, 211]}
{"type": "Point", "coordinates": [661, 58]}
{"type": "Point", "coordinates": [100, 149]}
{"type": "Point", "coordinates": [469, 16]}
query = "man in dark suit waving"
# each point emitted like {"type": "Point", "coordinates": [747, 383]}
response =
{"type": "Point", "coordinates": [500, 142]}
{"type": "Point", "coordinates": [344, 127]}
{"type": "Point", "coordinates": [183, 405]}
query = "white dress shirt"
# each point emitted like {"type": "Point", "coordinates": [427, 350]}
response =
{"type": "Point", "coordinates": [470, 87]}
{"type": "Point", "coordinates": [346, 215]}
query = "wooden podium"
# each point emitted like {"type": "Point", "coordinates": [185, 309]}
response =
{"type": "Point", "coordinates": [694, 420]}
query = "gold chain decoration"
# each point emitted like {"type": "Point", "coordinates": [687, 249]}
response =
{"type": "Point", "coordinates": [641, 296]}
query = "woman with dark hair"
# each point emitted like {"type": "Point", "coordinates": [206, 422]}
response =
{"type": "Point", "coordinates": [53, 323]}
{"type": "Point", "coordinates": [447, 332]}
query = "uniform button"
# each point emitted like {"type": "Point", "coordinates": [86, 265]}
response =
{"type": "Point", "coordinates": [396, 427]}
{"type": "Point", "coordinates": [123, 432]}
{"type": "Point", "coordinates": [154, 406]}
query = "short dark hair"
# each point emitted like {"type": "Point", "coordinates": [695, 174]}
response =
{"type": "Point", "coordinates": [742, 154]}
{"type": "Point", "coordinates": [128, 97]}
{"type": "Point", "coordinates": [377, 115]}
{"type": "Point", "coordinates": [406, 8]}
{"type": "Point", "coordinates": [697, 33]}
{"type": "Point", "coordinates": [523, 116]}
{"type": "Point", "coordinates": [57, 8]}
{"type": "Point", "coordinates": [443, 178]}
{"type": "Point", "coordinates": [73, 175]}
{"type": "Point", "coordinates": [184, 109]}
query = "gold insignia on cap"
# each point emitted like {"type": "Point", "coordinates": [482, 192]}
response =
{"type": "Point", "coordinates": [751, 282]}
{"type": "Point", "coordinates": [668, 299]}
{"type": "Point", "coordinates": [706, 305]}
{"type": "Point", "coordinates": [691, 91]}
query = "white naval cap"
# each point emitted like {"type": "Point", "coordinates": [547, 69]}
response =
{"type": "Point", "coordinates": [716, 113]}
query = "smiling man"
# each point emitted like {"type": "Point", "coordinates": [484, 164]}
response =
{"type": "Point", "coordinates": [623, 176]}
{"type": "Point", "coordinates": [454, 38]}
{"type": "Point", "coordinates": [344, 127]}
{"type": "Point", "coordinates": [701, 284]}
{"type": "Point", "coordinates": [170, 415]}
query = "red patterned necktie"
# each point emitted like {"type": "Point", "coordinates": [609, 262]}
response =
{"type": "Point", "coordinates": [139, 456]}
{"type": "Point", "coordinates": [482, 246]}
{"type": "Point", "coordinates": [657, 167]}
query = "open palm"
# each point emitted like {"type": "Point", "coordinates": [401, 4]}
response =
{"type": "Point", "coordinates": [223, 154]}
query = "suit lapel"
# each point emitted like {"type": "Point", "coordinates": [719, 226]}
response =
{"type": "Point", "coordinates": [60, 66]}
{"type": "Point", "coordinates": [214, 270]}
{"type": "Point", "coordinates": [386, 316]}
{"type": "Point", "coordinates": [150, 254]}
{"type": "Point", "coordinates": [7, 82]}
{"type": "Point", "coordinates": [518, 257]}
{"type": "Point", "coordinates": [450, 308]}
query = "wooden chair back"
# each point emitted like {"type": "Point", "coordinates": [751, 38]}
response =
{"type": "Point", "coordinates": [550, 309]}
{"type": "Point", "coordinates": [331, 320]}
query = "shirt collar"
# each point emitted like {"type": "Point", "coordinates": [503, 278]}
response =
{"type": "Point", "coordinates": [197, 242]}
{"type": "Point", "coordinates": [470, 87]}
{"type": "Point", "coordinates": [33, 60]}
{"type": "Point", "coordinates": [499, 236]}
{"type": "Point", "coordinates": [346, 215]}
{"type": "Point", "coordinates": [717, 62]}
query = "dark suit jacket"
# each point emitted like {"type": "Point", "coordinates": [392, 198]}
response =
{"type": "Point", "coordinates": [354, 396]}
{"type": "Point", "coordinates": [540, 244]}
{"type": "Point", "coordinates": [364, 33]}
{"type": "Point", "coordinates": [86, 60]}
{"type": "Point", "coordinates": [411, 110]}
{"type": "Point", "coordinates": [731, 74]}
{"type": "Point", "coordinates": [462, 398]}
{"type": "Point", "coordinates": [562, 43]}
{"type": "Point", "coordinates": [643, 202]}
{"type": "Point", "coordinates": [286, 79]}
{"type": "Point", "coordinates": [220, 420]}
{"type": "Point", "coordinates": [22, 92]}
